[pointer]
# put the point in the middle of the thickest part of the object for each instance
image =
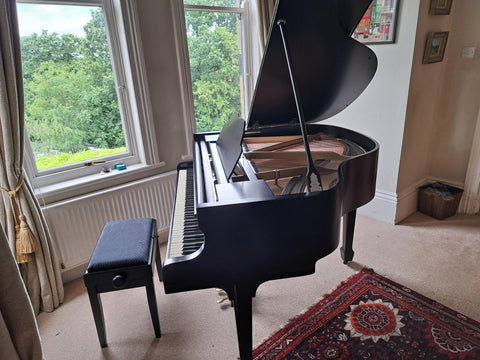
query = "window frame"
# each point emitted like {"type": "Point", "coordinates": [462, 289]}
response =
{"type": "Point", "coordinates": [122, 27]}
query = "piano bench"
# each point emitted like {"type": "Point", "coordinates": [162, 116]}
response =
{"type": "Point", "coordinates": [123, 259]}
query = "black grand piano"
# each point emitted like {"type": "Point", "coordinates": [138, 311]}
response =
{"type": "Point", "coordinates": [266, 200]}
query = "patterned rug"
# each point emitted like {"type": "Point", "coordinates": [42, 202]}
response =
{"type": "Point", "coordinates": [371, 317]}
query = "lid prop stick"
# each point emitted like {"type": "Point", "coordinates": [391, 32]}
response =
{"type": "Point", "coordinates": [314, 182]}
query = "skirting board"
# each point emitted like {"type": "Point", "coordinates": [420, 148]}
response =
{"type": "Point", "coordinates": [383, 207]}
{"type": "Point", "coordinates": [392, 208]}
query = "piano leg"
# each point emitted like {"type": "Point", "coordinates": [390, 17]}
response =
{"type": "Point", "coordinates": [346, 250]}
{"type": "Point", "coordinates": [243, 318]}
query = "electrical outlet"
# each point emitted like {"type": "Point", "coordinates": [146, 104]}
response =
{"type": "Point", "coordinates": [468, 52]}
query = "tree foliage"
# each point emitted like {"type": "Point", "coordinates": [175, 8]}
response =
{"type": "Point", "coordinates": [70, 98]}
{"type": "Point", "coordinates": [214, 62]}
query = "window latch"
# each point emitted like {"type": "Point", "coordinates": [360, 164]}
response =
{"type": "Point", "coordinates": [90, 163]}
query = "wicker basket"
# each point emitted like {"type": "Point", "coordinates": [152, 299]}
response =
{"type": "Point", "coordinates": [439, 200]}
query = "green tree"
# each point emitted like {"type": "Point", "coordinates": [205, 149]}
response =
{"type": "Point", "coordinates": [53, 115]}
{"type": "Point", "coordinates": [96, 44]}
{"type": "Point", "coordinates": [70, 94]}
{"type": "Point", "coordinates": [104, 120]}
{"type": "Point", "coordinates": [214, 63]}
{"type": "Point", "coordinates": [37, 49]}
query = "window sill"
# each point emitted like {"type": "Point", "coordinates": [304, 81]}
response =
{"type": "Point", "coordinates": [68, 189]}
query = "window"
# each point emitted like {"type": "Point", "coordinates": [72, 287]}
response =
{"type": "Point", "coordinates": [216, 42]}
{"type": "Point", "coordinates": [80, 109]}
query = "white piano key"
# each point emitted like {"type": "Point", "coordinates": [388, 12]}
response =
{"type": "Point", "coordinates": [184, 223]}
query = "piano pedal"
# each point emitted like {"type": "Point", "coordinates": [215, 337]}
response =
{"type": "Point", "coordinates": [223, 296]}
{"type": "Point", "coordinates": [222, 299]}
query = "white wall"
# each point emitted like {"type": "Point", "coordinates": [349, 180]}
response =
{"type": "Point", "coordinates": [443, 105]}
{"type": "Point", "coordinates": [164, 61]}
{"type": "Point", "coordinates": [410, 108]}
{"type": "Point", "coordinates": [425, 86]}
{"type": "Point", "coordinates": [459, 99]}
{"type": "Point", "coordinates": [380, 111]}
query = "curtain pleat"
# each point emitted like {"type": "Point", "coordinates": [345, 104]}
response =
{"type": "Point", "coordinates": [19, 336]}
{"type": "Point", "coordinates": [470, 203]}
{"type": "Point", "coordinates": [40, 269]}
{"type": "Point", "coordinates": [264, 9]}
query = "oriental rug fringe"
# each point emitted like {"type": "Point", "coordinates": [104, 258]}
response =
{"type": "Point", "coordinates": [371, 317]}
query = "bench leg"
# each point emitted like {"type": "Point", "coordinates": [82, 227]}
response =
{"type": "Point", "coordinates": [97, 310]}
{"type": "Point", "coordinates": [152, 304]}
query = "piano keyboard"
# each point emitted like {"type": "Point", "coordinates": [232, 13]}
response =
{"type": "Point", "coordinates": [185, 237]}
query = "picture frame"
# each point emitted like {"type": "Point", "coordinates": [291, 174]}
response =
{"type": "Point", "coordinates": [440, 7]}
{"type": "Point", "coordinates": [435, 47]}
{"type": "Point", "coordinates": [379, 23]}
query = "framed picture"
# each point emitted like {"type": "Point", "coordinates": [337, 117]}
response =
{"type": "Point", "coordinates": [435, 47]}
{"type": "Point", "coordinates": [379, 23]}
{"type": "Point", "coordinates": [440, 7]}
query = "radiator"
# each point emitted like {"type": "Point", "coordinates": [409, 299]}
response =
{"type": "Point", "coordinates": [76, 224]}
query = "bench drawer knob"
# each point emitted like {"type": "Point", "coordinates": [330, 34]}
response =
{"type": "Point", "coordinates": [118, 281]}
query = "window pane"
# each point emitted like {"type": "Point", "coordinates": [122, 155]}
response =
{"type": "Point", "coordinates": [214, 43]}
{"type": "Point", "coordinates": [226, 3]}
{"type": "Point", "coordinates": [71, 106]}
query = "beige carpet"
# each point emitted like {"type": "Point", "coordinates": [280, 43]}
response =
{"type": "Point", "coordinates": [439, 259]}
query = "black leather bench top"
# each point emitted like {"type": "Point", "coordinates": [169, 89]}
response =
{"type": "Point", "coordinates": [123, 243]}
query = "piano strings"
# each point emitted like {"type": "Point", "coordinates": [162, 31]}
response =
{"type": "Point", "coordinates": [281, 161]}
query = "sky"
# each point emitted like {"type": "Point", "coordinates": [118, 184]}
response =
{"type": "Point", "coordinates": [62, 19]}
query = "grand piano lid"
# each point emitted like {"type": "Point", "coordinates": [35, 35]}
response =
{"type": "Point", "coordinates": [330, 68]}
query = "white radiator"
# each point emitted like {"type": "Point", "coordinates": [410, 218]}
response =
{"type": "Point", "coordinates": [77, 223]}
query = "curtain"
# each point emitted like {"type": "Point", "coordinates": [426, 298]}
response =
{"type": "Point", "coordinates": [261, 16]}
{"type": "Point", "coordinates": [264, 10]}
{"type": "Point", "coordinates": [20, 212]}
{"type": "Point", "coordinates": [470, 203]}
{"type": "Point", "coordinates": [19, 337]}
